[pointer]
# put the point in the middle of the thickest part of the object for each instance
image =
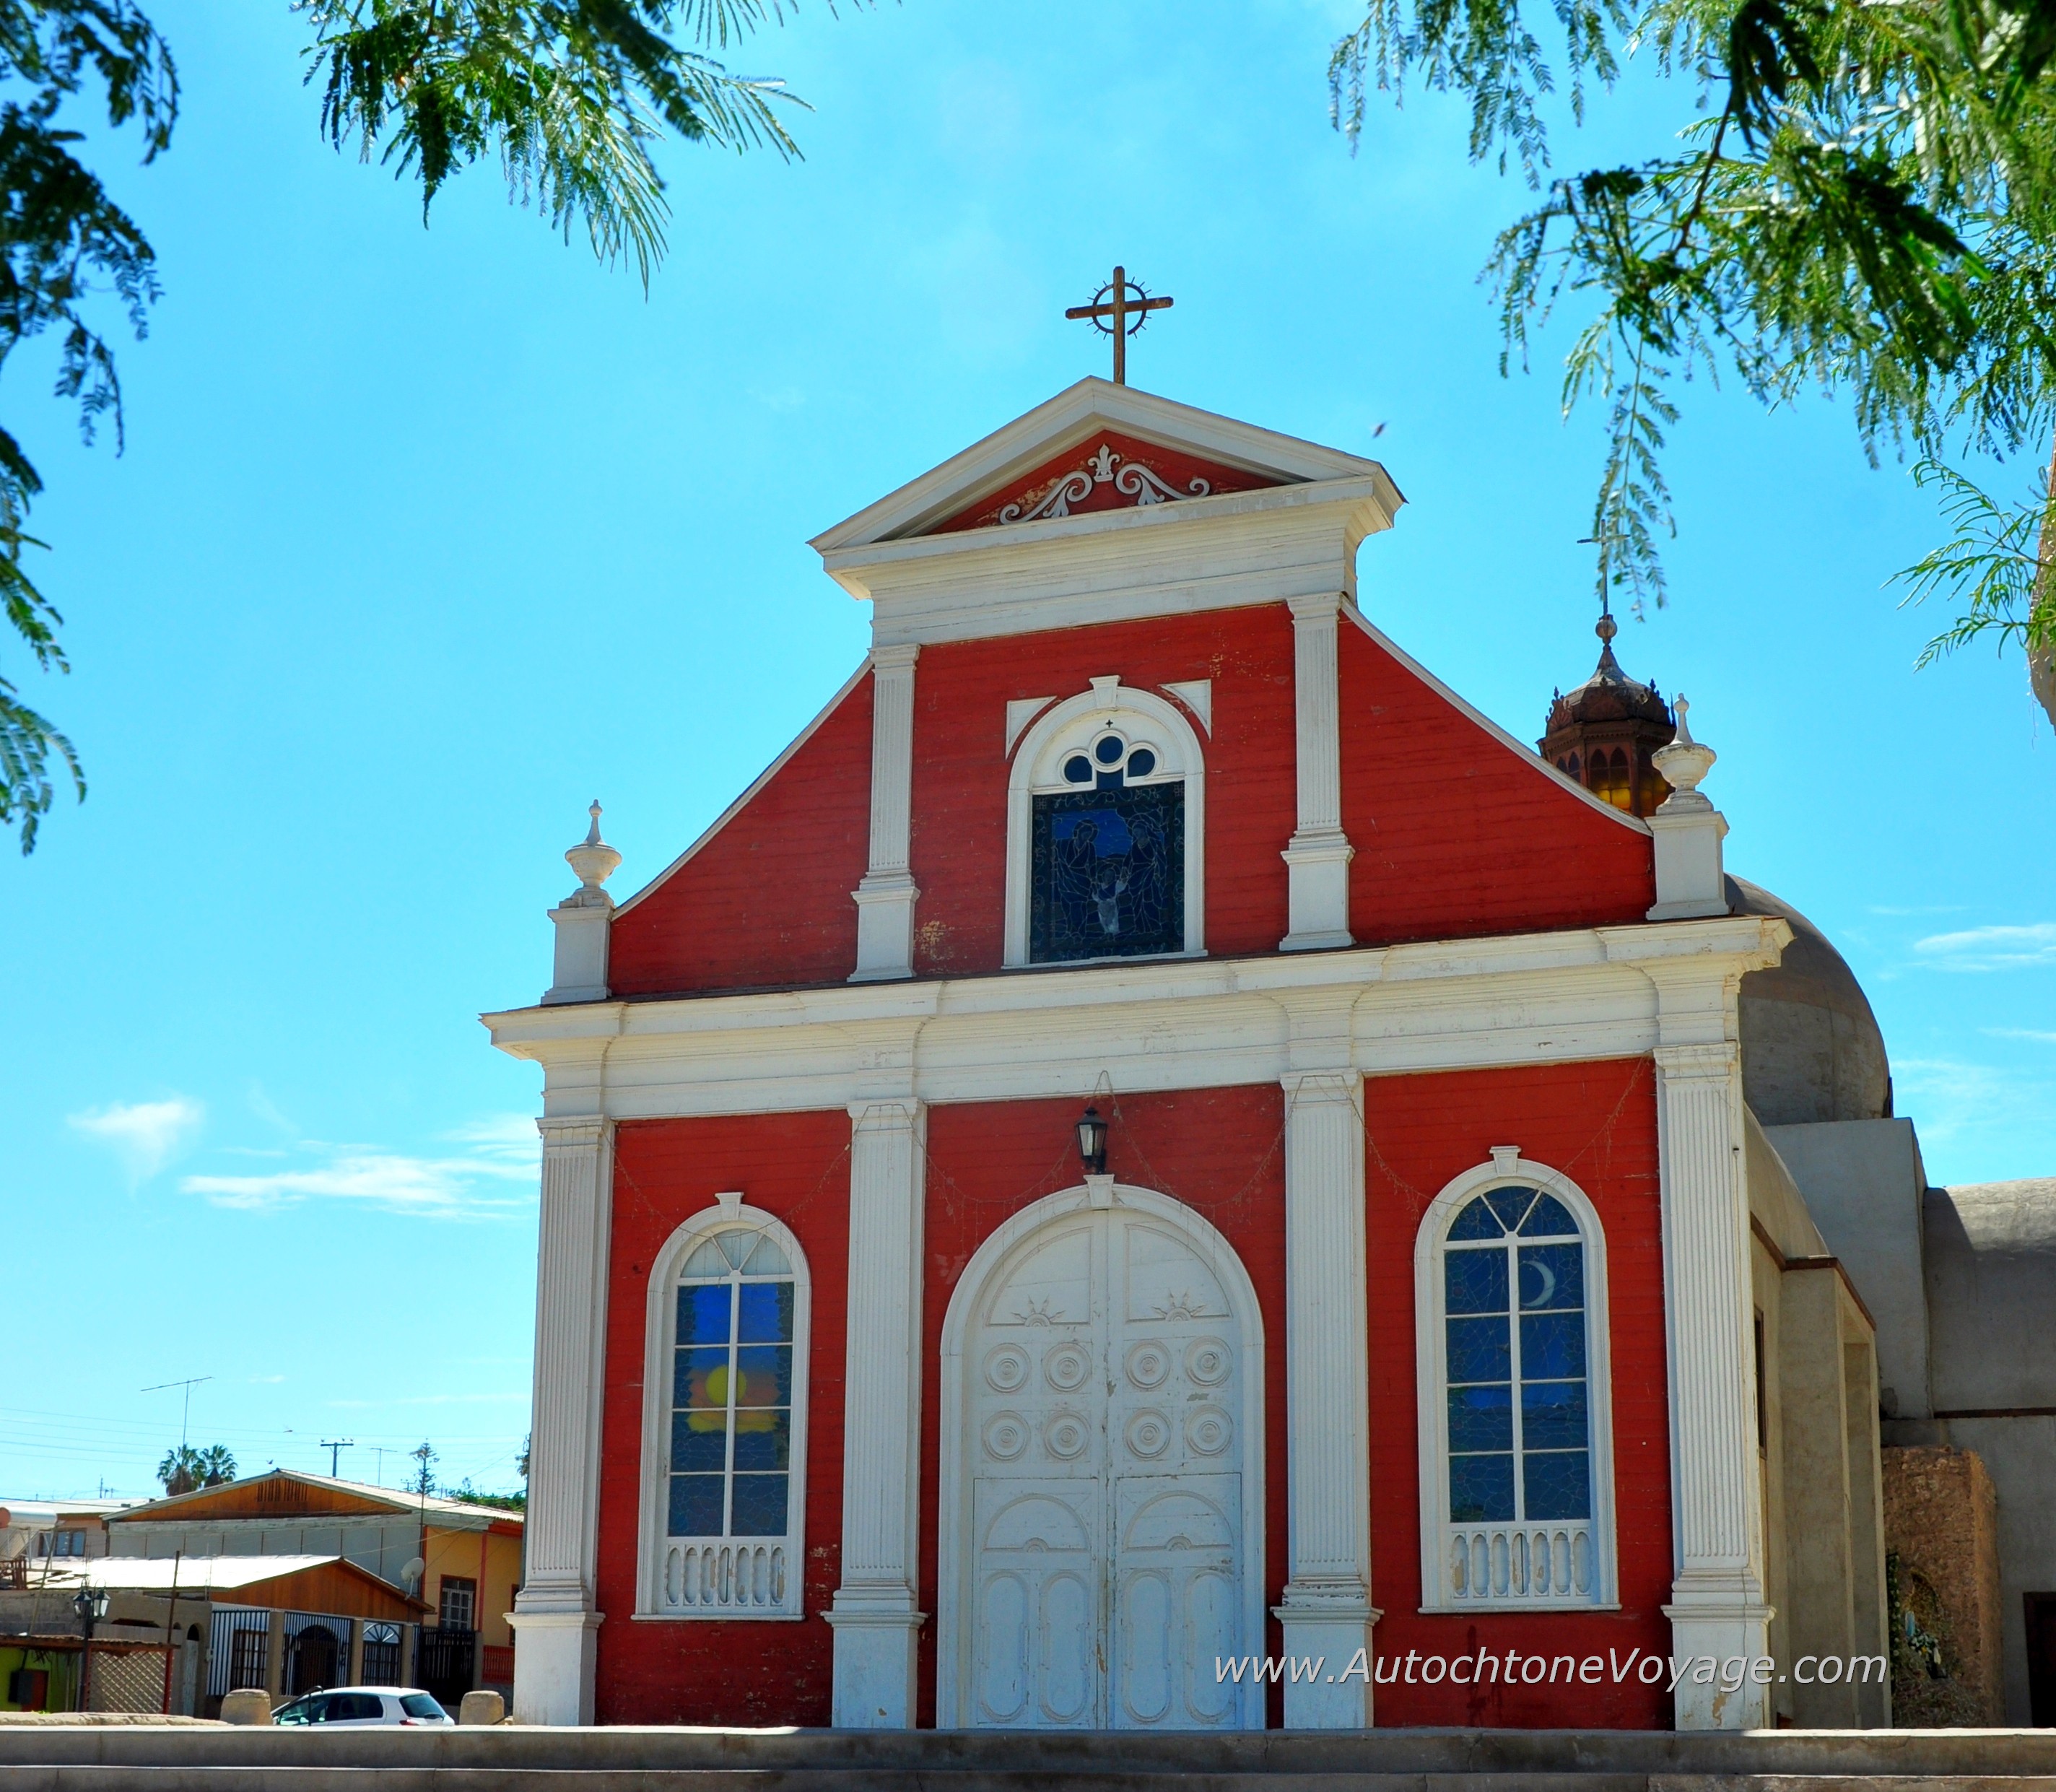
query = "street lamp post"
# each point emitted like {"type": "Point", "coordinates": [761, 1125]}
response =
{"type": "Point", "coordinates": [90, 1603]}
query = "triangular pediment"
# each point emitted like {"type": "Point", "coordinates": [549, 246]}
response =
{"type": "Point", "coordinates": [1095, 446]}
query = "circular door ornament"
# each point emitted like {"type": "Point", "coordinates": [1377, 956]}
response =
{"type": "Point", "coordinates": [1148, 1434]}
{"type": "Point", "coordinates": [1066, 1368]}
{"type": "Point", "coordinates": [1066, 1436]}
{"type": "Point", "coordinates": [1208, 1430]}
{"type": "Point", "coordinates": [1005, 1436]}
{"type": "Point", "coordinates": [1149, 1363]}
{"type": "Point", "coordinates": [1208, 1362]}
{"type": "Point", "coordinates": [1006, 1368]}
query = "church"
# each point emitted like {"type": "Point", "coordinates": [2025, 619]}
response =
{"type": "Point", "coordinates": [1159, 1169]}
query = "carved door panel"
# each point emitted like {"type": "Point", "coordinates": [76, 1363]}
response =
{"type": "Point", "coordinates": [1174, 1399]}
{"type": "Point", "coordinates": [1104, 1571]}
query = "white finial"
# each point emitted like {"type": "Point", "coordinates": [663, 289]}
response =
{"type": "Point", "coordinates": [1684, 762]}
{"type": "Point", "coordinates": [594, 861]}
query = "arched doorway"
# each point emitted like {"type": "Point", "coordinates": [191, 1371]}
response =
{"type": "Point", "coordinates": [1101, 1543]}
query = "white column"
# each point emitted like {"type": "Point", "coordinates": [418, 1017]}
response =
{"type": "Point", "coordinates": [1318, 859]}
{"type": "Point", "coordinates": [876, 1624]}
{"type": "Point", "coordinates": [885, 898]}
{"type": "Point", "coordinates": [554, 1618]}
{"type": "Point", "coordinates": [1716, 1606]}
{"type": "Point", "coordinates": [1327, 1609]}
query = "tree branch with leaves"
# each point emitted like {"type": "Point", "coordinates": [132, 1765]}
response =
{"type": "Point", "coordinates": [1859, 202]}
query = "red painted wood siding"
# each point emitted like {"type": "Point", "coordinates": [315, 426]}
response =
{"type": "Point", "coordinates": [1220, 1151]}
{"type": "Point", "coordinates": [961, 691]}
{"type": "Point", "coordinates": [797, 1167]}
{"type": "Point", "coordinates": [766, 901]}
{"type": "Point", "coordinates": [1596, 1124]}
{"type": "Point", "coordinates": [1455, 834]}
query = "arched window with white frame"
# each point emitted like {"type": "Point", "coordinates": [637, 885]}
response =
{"type": "Point", "coordinates": [1516, 1474]}
{"type": "Point", "coordinates": [1106, 820]}
{"type": "Point", "coordinates": [724, 1419]}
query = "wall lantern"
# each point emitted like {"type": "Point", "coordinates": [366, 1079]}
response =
{"type": "Point", "coordinates": [1092, 1142]}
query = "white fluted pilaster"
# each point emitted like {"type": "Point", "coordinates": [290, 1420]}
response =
{"type": "Point", "coordinates": [554, 1616]}
{"type": "Point", "coordinates": [1717, 1604]}
{"type": "Point", "coordinates": [1318, 859]}
{"type": "Point", "coordinates": [876, 1623]}
{"type": "Point", "coordinates": [1327, 1609]}
{"type": "Point", "coordinates": [885, 898]}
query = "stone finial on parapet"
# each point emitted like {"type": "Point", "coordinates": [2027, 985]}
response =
{"type": "Point", "coordinates": [582, 920]}
{"type": "Point", "coordinates": [1690, 876]}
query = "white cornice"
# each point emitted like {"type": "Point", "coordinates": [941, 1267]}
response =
{"type": "Point", "coordinates": [1219, 553]}
{"type": "Point", "coordinates": [1070, 417]}
{"type": "Point", "coordinates": [1181, 1023]}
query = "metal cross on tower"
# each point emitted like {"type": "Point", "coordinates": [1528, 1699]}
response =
{"type": "Point", "coordinates": [1113, 313]}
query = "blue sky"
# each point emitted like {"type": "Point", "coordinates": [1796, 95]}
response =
{"type": "Point", "coordinates": [422, 539]}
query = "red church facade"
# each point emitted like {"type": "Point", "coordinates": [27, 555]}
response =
{"type": "Point", "coordinates": [1403, 1324]}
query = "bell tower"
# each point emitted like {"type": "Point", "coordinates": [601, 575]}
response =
{"type": "Point", "coordinates": [1604, 733]}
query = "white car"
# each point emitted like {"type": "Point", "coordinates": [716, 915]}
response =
{"type": "Point", "coordinates": [360, 1707]}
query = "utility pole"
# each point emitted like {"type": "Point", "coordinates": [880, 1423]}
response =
{"type": "Point", "coordinates": [335, 1447]}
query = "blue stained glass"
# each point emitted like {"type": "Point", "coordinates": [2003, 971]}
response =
{"type": "Point", "coordinates": [760, 1506]}
{"type": "Point", "coordinates": [764, 1440]}
{"type": "Point", "coordinates": [764, 1375]}
{"type": "Point", "coordinates": [1480, 1351]}
{"type": "Point", "coordinates": [699, 1379]}
{"type": "Point", "coordinates": [697, 1451]}
{"type": "Point", "coordinates": [767, 1313]}
{"type": "Point", "coordinates": [1552, 1346]}
{"type": "Point", "coordinates": [1109, 873]}
{"type": "Point", "coordinates": [1480, 1487]}
{"type": "Point", "coordinates": [1548, 1218]}
{"type": "Point", "coordinates": [1109, 748]}
{"type": "Point", "coordinates": [1552, 1415]}
{"type": "Point", "coordinates": [1552, 1276]}
{"type": "Point", "coordinates": [1474, 1282]}
{"type": "Point", "coordinates": [1141, 762]}
{"type": "Point", "coordinates": [1077, 769]}
{"type": "Point", "coordinates": [695, 1505]}
{"type": "Point", "coordinates": [1482, 1417]}
{"type": "Point", "coordinates": [1510, 1204]}
{"type": "Point", "coordinates": [1477, 1220]}
{"type": "Point", "coordinates": [703, 1315]}
{"type": "Point", "coordinates": [1557, 1485]}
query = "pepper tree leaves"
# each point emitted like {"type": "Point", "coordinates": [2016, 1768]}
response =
{"type": "Point", "coordinates": [1862, 201]}
{"type": "Point", "coordinates": [571, 94]}
{"type": "Point", "coordinates": [63, 241]}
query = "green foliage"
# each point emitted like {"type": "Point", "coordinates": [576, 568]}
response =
{"type": "Point", "coordinates": [470, 1495]}
{"type": "Point", "coordinates": [63, 243]}
{"type": "Point", "coordinates": [571, 94]}
{"type": "Point", "coordinates": [1997, 564]}
{"type": "Point", "coordinates": [185, 1468]}
{"type": "Point", "coordinates": [1859, 201]}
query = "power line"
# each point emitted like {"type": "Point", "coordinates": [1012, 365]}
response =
{"type": "Point", "coordinates": [188, 1384]}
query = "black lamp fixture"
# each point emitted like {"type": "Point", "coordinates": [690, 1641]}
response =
{"type": "Point", "coordinates": [90, 1603]}
{"type": "Point", "coordinates": [1092, 1142]}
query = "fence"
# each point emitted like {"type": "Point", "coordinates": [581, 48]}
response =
{"type": "Point", "coordinates": [134, 1677]}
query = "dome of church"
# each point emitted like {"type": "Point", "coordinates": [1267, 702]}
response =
{"type": "Point", "coordinates": [1811, 1049]}
{"type": "Point", "coordinates": [1605, 733]}
{"type": "Point", "coordinates": [1609, 694]}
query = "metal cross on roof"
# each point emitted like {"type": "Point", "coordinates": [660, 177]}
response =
{"type": "Point", "coordinates": [1113, 313]}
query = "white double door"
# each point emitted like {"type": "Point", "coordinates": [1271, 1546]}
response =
{"type": "Point", "coordinates": [1104, 1450]}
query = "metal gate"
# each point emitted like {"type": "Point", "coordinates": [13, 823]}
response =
{"type": "Point", "coordinates": [134, 1677]}
{"type": "Point", "coordinates": [444, 1660]}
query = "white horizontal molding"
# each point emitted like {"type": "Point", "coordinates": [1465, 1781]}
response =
{"type": "Point", "coordinates": [1176, 1024]}
{"type": "Point", "coordinates": [1221, 553]}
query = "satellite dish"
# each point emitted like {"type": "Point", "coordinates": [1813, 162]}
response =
{"type": "Point", "coordinates": [410, 1576]}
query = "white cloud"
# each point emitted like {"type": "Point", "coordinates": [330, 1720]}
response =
{"type": "Point", "coordinates": [145, 1135]}
{"type": "Point", "coordinates": [1991, 948]}
{"type": "Point", "coordinates": [496, 1177]}
{"type": "Point", "coordinates": [1971, 1105]}
{"type": "Point", "coordinates": [2019, 1033]}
